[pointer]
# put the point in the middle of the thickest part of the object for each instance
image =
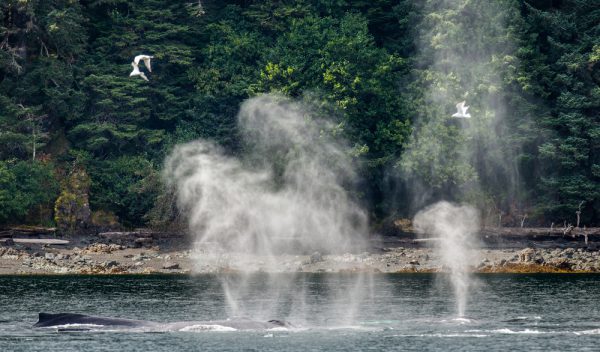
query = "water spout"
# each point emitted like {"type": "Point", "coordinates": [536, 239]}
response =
{"type": "Point", "coordinates": [456, 227]}
{"type": "Point", "coordinates": [285, 194]}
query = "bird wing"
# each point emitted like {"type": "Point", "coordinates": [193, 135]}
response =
{"type": "Point", "coordinates": [144, 76]}
{"type": "Point", "coordinates": [460, 110]}
{"type": "Point", "coordinates": [147, 62]}
{"type": "Point", "coordinates": [460, 106]}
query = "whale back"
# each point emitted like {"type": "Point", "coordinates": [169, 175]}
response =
{"type": "Point", "coordinates": [49, 319]}
{"type": "Point", "coordinates": [63, 320]}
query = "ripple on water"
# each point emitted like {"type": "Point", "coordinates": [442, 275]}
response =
{"type": "Point", "coordinates": [406, 312]}
{"type": "Point", "coordinates": [207, 327]}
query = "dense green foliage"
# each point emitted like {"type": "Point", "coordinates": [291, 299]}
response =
{"type": "Point", "coordinates": [389, 71]}
{"type": "Point", "coordinates": [26, 189]}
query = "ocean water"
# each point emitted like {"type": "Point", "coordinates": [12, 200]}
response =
{"type": "Point", "coordinates": [410, 312]}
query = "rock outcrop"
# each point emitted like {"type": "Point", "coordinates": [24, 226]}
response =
{"type": "Point", "coordinates": [72, 209]}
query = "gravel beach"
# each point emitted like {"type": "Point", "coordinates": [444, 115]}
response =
{"type": "Point", "coordinates": [96, 255]}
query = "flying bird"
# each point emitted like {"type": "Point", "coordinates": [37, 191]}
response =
{"type": "Point", "coordinates": [136, 72]}
{"type": "Point", "coordinates": [146, 59]}
{"type": "Point", "coordinates": [461, 111]}
{"type": "Point", "coordinates": [136, 66]}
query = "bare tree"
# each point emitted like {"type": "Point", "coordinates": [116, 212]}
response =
{"type": "Point", "coordinates": [578, 212]}
{"type": "Point", "coordinates": [523, 219]}
{"type": "Point", "coordinates": [36, 128]}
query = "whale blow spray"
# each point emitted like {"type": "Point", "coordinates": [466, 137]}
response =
{"type": "Point", "coordinates": [283, 194]}
{"type": "Point", "coordinates": [455, 228]}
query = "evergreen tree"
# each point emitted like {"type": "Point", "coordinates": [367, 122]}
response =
{"type": "Point", "coordinates": [385, 70]}
{"type": "Point", "coordinates": [562, 52]}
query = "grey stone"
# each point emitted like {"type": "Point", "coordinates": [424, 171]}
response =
{"type": "Point", "coordinates": [49, 256]}
{"type": "Point", "coordinates": [171, 266]}
{"type": "Point", "coordinates": [110, 263]}
{"type": "Point", "coordinates": [143, 241]}
{"type": "Point", "coordinates": [139, 257]}
{"type": "Point", "coordinates": [316, 257]}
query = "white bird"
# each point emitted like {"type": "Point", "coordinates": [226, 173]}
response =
{"type": "Point", "coordinates": [146, 59]}
{"type": "Point", "coordinates": [462, 111]}
{"type": "Point", "coordinates": [136, 72]}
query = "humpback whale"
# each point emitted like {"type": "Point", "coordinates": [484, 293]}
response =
{"type": "Point", "coordinates": [82, 322]}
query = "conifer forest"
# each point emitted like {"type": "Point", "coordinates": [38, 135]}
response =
{"type": "Point", "coordinates": [83, 141]}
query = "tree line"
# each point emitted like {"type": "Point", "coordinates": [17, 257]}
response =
{"type": "Point", "coordinates": [74, 128]}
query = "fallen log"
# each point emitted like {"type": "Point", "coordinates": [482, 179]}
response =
{"type": "Point", "coordinates": [541, 233]}
{"type": "Point", "coordinates": [139, 234]}
{"type": "Point", "coordinates": [497, 237]}
{"type": "Point", "coordinates": [48, 241]}
{"type": "Point", "coordinates": [24, 230]}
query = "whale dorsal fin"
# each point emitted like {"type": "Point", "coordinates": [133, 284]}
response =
{"type": "Point", "coordinates": [44, 317]}
{"type": "Point", "coordinates": [277, 322]}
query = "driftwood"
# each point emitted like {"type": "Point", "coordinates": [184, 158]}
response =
{"type": "Point", "coordinates": [48, 241]}
{"type": "Point", "coordinates": [542, 233]}
{"type": "Point", "coordinates": [26, 231]}
{"type": "Point", "coordinates": [138, 234]}
{"type": "Point", "coordinates": [499, 237]}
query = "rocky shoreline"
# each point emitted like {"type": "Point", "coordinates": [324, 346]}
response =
{"type": "Point", "coordinates": [151, 253]}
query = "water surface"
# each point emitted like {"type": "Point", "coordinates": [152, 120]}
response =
{"type": "Point", "coordinates": [412, 312]}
